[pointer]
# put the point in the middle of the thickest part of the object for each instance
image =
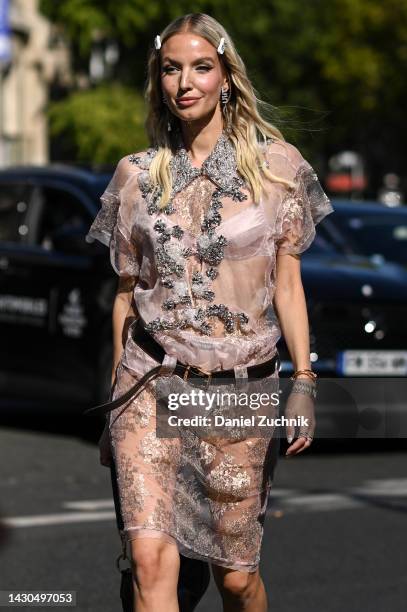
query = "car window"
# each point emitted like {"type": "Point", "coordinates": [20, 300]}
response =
{"type": "Point", "coordinates": [63, 220]}
{"type": "Point", "coordinates": [14, 205]}
{"type": "Point", "coordinates": [383, 234]}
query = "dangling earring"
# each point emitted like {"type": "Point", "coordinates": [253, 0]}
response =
{"type": "Point", "coordinates": [224, 96]}
{"type": "Point", "coordinates": [169, 128]}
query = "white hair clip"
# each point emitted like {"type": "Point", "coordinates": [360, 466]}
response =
{"type": "Point", "coordinates": [157, 42]}
{"type": "Point", "coordinates": [221, 46]}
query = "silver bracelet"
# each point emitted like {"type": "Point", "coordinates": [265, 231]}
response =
{"type": "Point", "coordinates": [304, 387]}
{"type": "Point", "coordinates": [304, 434]}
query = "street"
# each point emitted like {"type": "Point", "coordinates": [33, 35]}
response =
{"type": "Point", "coordinates": [335, 537]}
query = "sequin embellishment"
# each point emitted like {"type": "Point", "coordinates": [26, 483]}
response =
{"type": "Point", "coordinates": [221, 168]}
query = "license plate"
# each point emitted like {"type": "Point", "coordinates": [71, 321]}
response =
{"type": "Point", "coordinates": [368, 363]}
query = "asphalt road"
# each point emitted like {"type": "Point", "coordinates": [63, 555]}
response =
{"type": "Point", "coordinates": [335, 538]}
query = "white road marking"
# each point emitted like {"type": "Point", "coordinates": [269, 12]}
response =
{"type": "Point", "coordinates": [391, 487]}
{"type": "Point", "coordinates": [91, 504]}
{"type": "Point", "coordinates": [281, 500]}
{"type": "Point", "coordinates": [379, 489]}
{"type": "Point", "coordinates": [279, 492]}
{"type": "Point", "coordinates": [319, 502]}
{"type": "Point", "coordinates": [39, 520]}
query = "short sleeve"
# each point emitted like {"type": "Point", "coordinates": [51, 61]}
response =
{"type": "Point", "coordinates": [301, 209]}
{"type": "Point", "coordinates": [113, 225]}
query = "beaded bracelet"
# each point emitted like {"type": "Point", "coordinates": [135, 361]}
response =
{"type": "Point", "coordinates": [307, 372]}
{"type": "Point", "coordinates": [304, 387]}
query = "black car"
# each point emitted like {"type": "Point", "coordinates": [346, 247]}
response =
{"type": "Point", "coordinates": [57, 292]}
{"type": "Point", "coordinates": [355, 287]}
{"type": "Point", "coordinates": [356, 310]}
{"type": "Point", "coordinates": [56, 289]}
{"type": "Point", "coordinates": [371, 239]}
{"type": "Point", "coordinates": [367, 228]}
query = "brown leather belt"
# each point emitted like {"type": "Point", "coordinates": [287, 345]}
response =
{"type": "Point", "coordinates": [187, 372]}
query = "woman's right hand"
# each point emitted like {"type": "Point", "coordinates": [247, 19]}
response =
{"type": "Point", "coordinates": [105, 449]}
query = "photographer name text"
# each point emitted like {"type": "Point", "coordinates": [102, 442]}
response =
{"type": "Point", "coordinates": [255, 420]}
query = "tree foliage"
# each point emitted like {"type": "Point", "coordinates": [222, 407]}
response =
{"type": "Point", "coordinates": [100, 124]}
{"type": "Point", "coordinates": [334, 69]}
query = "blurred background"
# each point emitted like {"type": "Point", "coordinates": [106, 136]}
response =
{"type": "Point", "coordinates": [72, 74]}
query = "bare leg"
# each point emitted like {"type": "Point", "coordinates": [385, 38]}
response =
{"type": "Point", "coordinates": [240, 591]}
{"type": "Point", "coordinates": [155, 565]}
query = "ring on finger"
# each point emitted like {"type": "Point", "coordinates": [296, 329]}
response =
{"type": "Point", "coordinates": [305, 435]}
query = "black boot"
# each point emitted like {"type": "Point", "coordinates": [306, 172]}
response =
{"type": "Point", "coordinates": [194, 578]}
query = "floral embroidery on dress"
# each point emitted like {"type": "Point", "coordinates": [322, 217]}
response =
{"type": "Point", "coordinates": [240, 534]}
{"type": "Point", "coordinates": [207, 452]}
{"type": "Point", "coordinates": [161, 518]}
{"type": "Point", "coordinates": [131, 486]}
{"type": "Point", "coordinates": [220, 167]}
{"type": "Point", "coordinates": [205, 282]}
{"type": "Point", "coordinates": [301, 210]}
{"type": "Point", "coordinates": [228, 479]}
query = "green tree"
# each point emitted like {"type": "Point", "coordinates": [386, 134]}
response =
{"type": "Point", "coordinates": [334, 70]}
{"type": "Point", "coordinates": [100, 124]}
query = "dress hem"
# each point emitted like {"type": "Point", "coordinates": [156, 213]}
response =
{"type": "Point", "coordinates": [187, 551]}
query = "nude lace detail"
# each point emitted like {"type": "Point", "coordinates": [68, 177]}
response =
{"type": "Point", "coordinates": [205, 280]}
{"type": "Point", "coordinates": [220, 168]}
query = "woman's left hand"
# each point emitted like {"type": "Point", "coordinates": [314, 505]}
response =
{"type": "Point", "coordinates": [301, 407]}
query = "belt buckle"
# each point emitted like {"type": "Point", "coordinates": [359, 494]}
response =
{"type": "Point", "coordinates": [199, 372]}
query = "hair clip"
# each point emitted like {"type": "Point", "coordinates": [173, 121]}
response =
{"type": "Point", "coordinates": [221, 46]}
{"type": "Point", "coordinates": [157, 42]}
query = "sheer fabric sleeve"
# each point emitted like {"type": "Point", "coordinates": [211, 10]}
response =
{"type": "Point", "coordinates": [301, 209]}
{"type": "Point", "coordinates": [113, 225]}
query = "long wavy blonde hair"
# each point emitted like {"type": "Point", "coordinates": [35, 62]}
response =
{"type": "Point", "coordinates": [245, 123]}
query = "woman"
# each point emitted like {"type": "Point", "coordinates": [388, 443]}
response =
{"type": "Point", "coordinates": [205, 229]}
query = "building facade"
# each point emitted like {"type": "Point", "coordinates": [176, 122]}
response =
{"type": "Point", "coordinates": [39, 58]}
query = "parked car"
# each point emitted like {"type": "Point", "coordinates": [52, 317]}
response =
{"type": "Point", "coordinates": [57, 292]}
{"type": "Point", "coordinates": [356, 311]}
{"type": "Point", "coordinates": [374, 237]}
{"type": "Point", "coordinates": [367, 228]}
{"type": "Point", "coordinates": [56, 289]}
{"type": "Point", "coordinates": [356, 292]}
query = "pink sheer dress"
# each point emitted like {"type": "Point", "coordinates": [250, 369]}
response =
{"type": "Point", "coordinates": [205, 271]}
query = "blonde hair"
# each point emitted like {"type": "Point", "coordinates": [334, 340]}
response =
{"type": "Point", "coordinates": [242, 111]}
